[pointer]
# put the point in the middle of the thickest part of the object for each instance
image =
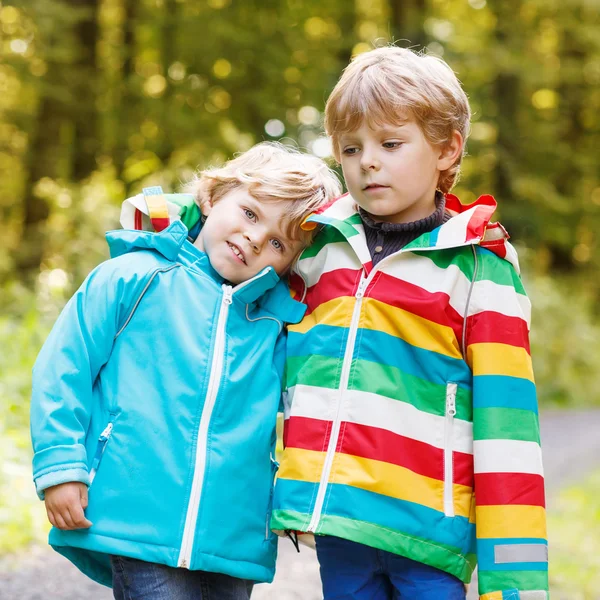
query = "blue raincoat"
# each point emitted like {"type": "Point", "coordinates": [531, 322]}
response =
{"type": "Point", "coordinates": [159, 388]}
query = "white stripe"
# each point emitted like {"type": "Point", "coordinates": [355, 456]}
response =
{"type": "Point", "coordinates": [533, 595]}
{"type": "Point", "coordinates": [369, 409]}
{"type": "Point", "coordinates": [507, 456]}
{"type": "Point", "coordinates": [420, 271]}
{"type": "Point", "coordinates": [454, 231]}
{"type": "Point", "coordinates": [331, 257]}
{"type": "Point", "coordinates": [341, 209]}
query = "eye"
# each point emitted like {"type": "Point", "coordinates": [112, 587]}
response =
{"type": "Point", "coordinates": [350, 150]}
{"type": "Point", "coordinates": [277, 245]}
{"type": "Point", "coordinates": [251, 215]}
{"type": "Point", "coordinates": [392, 145]}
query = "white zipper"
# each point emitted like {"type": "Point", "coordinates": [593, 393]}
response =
{"type": "Point", "coordinates": [335, 430]}
{"type": "Point", "coordinates": [451, 389]}
{"type": "Point", "coordinates": [187, 542]}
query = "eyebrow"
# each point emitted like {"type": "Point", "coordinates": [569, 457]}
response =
{"type": "Point", "coordinates": [256, 207]}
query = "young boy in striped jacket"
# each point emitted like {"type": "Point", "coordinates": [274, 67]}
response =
{"type": "Point", "coordinates": [412, 444]}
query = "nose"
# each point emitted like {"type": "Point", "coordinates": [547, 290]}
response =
{"type": "Point", "coordinates": [369, 160]}
{"type": "Point", "coordinates": [255, 239]}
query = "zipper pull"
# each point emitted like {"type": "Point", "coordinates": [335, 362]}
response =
{"type": "Point", "coordinates": [227, 294]}
{"type": "Point", "coordinates": [451, 399]}
{"type": "Point", "coordinates": [106, 433]}
{"type": "Point", "coordinates": [362, 286]}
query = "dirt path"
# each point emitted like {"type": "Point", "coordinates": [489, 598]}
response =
{"type": "Point", "coordinates": [571, 449]}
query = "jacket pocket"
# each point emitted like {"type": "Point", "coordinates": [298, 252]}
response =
{"type": "Point", "coordinates": [451, 389]}
{"type": "Point", "coordinates": [274, 469]}
{"type": "Point", "coordinates": [101, 447]}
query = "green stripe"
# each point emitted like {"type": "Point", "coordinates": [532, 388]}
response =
{"type": "Point", "coordinates": [460, 257]}
{"type": "Point", "coordinates": [289, 519]}
{"type": "Point", "coordinates": [493, 581]}
{"type": "Point", "coordinates": [424, 395]}
{"type": "Point", "coordinates": [447, 558]}
{"type": "Point", "coordinates": [423, 241]}
{"type": "Point", "coordinates": [329, 235]}
{"type": "Point", "coordinates": [366, 376]}
{"type": "Point", "coordinates": [505, 424]}
{"type": "Point", "coordinates": [498, 270]}
{"type": "Point", "coordinates": [315, 369]}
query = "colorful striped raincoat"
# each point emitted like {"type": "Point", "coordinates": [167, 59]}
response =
{"type": "Point", "coordinates": [411, 413]}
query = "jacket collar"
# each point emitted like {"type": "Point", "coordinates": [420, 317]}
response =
{"type": "Point", "coordinates": [468, 225]}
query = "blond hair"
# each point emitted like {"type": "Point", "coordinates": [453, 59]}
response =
{"type": "Point", "coordinates": [388, 85]}
{"type": "Point", "coordinates": [272, 172]}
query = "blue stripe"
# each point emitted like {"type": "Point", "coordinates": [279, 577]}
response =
{"type": "Point", "coordinates": [486, 557]}
{"type": "Point", "coordinates": [325, 340]}
{"type": "Point", "coordinates": [399, 515]}
{"type": "Point", "coordinates": [503, 391]}
{"type": "Point", "coordinates": [433, 236]}
{"type": "Point", "coordinates": [295, 496]}
{"type": "Point", "coordinates": [386, 349]}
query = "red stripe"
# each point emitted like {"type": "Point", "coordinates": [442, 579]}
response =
{"type": "Point", "coordinates": [335, 284]}
{"type": "Point", "coordinates": [379, 444]}
{"type": "Point", "coordinates": [137, 220]}
{"type": "Point", "coordinates": [493, 489]}
{"type": "Point", "coordinates": [495, 327]}
{"type": "Point", "coordinates": [160, 223]}
{"type": "Point", "coordinates": [305, 433]}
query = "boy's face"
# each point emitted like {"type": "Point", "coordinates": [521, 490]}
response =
{"type": "Point", "coordinates": [392, 171]}
{"type": "Point", "coordinates": [242, 236]}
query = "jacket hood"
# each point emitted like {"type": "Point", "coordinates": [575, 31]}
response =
{"type": "Point", "coordinates": [470, 225]}
{"type": "Point", "coordinates": [167, 242]}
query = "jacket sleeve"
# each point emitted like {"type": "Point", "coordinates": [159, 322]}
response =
{"type": "Point", "coordinates": [512, 548]}
{"type": "Point", "coordinates": [64, 375]}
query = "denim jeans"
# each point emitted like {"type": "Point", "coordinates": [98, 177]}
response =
{"type": "Point", "coordinates": [138, 580]}
{"type": "Point", "coordinates": [351, 571]}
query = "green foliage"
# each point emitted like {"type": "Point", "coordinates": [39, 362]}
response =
{"type": "Point", "coordinates": [565, 341]}
{"type": "Point", "coordinates": [574, 542]}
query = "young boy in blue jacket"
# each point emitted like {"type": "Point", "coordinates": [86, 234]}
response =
{"type": "Point", "coordinates": [155, 396]}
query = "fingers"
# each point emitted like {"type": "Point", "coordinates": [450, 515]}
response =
{"type": "Point", "coordinates": [65, 506]}
{"type": "Point", "coordinates": [77, 518]}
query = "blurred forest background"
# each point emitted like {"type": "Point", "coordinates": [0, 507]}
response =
{"type": "Point", "coordinates": [101, 97]}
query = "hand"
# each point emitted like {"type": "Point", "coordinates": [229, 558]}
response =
{"type": "Point", "coordinates": [65, 504]}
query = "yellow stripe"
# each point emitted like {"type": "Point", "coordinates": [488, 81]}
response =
{"type": "Point", "coordinates": [500, 359]}
{"type": "Point", "coordinates": [491, 596]}
{"type": "Point", "coordinates": [374, 476]}
{"type": "Point", "coordinates": [303, 465]}
{"type": "Point", "coordinates": [336, 312]}
{"type": "Point", "coordinates": [412, 328]}
{"type": "Point", "coordinates": [379, 316]}
{"type": "Point", "coordinates": [157, 207]}
{"type": "Point", "coordinates": [511, 521]}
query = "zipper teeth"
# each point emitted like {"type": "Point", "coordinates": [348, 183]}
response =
{"type": "Point", "coordinates": [335, 430]}
{"type": "Point", "coordinates": [200, 466]}
{"type": "Point", "coordinates": [451, 389]}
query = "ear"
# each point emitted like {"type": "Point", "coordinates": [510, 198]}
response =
{"type": "Point", "coordinates": [206, 206]}
{"type": "Point", "coordinates": [451, 151]}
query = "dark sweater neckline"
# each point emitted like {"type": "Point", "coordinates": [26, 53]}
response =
{"type": "Point", "coordinates": [435, 219]}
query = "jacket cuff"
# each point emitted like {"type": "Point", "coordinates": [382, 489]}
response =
{"type": "Point", "coordinates": [59, 464]}
{"type": "Point", "coordinates": [64, 475]}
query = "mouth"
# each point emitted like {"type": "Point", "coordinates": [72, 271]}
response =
{"type": "Point", "coordinates": [236, 251]}
{"type": "Point", "coordinates": [375, 187]}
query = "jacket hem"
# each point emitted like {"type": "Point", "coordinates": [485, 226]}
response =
{"type": "Point", "coordinates": [90, 553]}
{"type": "Point", "coordinates": [370, 534]}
